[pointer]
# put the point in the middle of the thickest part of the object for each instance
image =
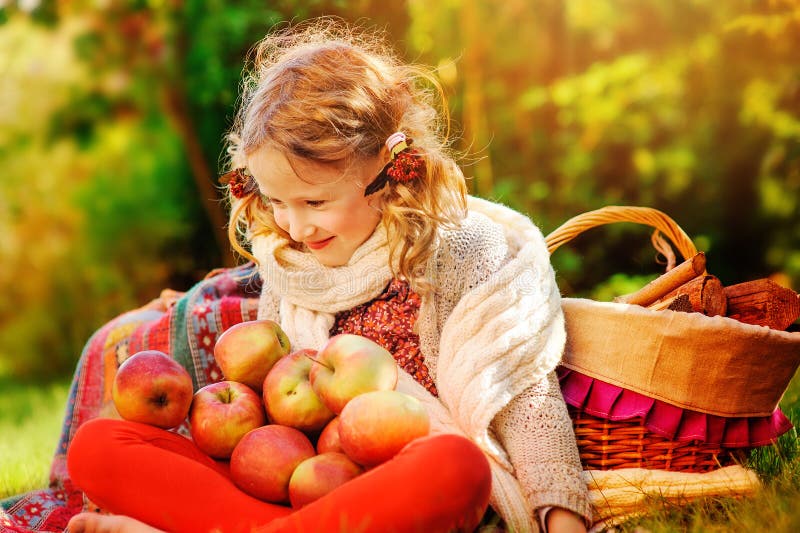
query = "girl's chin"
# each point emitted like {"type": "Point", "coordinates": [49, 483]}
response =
{"type": "Point", "coordinates": [328, 259]}
{"type": "Point", "coordinates": [336, 253]}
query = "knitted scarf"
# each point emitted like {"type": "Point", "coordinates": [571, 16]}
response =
{"type": "Point", "coordinates": [310, 294]}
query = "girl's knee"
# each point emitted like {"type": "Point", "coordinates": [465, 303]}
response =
{"type": "Point", "coordinates": [456, 460]}
{"type": "Point", "coordinates": [457, 467]}
{"type": "Point", "coordinates": [93, 445]}
{"type": "Point", "coordinates": [86, 448]}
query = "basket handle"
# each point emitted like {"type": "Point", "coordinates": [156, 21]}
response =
{"type": "Point", "coordinates": [622, 213]}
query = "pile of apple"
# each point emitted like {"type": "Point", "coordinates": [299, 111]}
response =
{"type": "Point", "coordinates": [294, 425]}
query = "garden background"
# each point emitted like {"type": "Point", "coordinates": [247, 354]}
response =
{"type": "Point", "coordinates": [112, 115]}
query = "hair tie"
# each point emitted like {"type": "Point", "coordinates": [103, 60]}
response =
{"type": "Point", "coordinates": [396, 140]}
{"type": "Point", "coordinates": [240, 182]}
{"type": "Point", "coordinates": [405, 163]}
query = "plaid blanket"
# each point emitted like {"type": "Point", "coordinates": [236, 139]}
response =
{"type": "Point", "coordinates": [184, 325]}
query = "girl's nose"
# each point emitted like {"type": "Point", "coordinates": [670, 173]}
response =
{"type": "Point", "coordinates": [300, 228]}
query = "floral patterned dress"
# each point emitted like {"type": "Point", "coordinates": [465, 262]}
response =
{"type": "Point", "coordinates": [389, 321]}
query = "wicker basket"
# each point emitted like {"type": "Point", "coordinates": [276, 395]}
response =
{"type": "Point", "coordinates": [612, 444]}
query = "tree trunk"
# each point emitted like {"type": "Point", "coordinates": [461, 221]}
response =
{"type": "Point", "coordinates": [204, 178]}
{"type": "Point", "coordinates": [475, 134]}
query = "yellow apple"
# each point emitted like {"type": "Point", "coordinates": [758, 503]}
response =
{"type": "Point", "coordinates": [349, 365]}
{"type": "Point", "coordinates": [246, 351]}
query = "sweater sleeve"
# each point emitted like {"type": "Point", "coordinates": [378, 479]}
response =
{"type": "Point", "coordinates": [536, 431]}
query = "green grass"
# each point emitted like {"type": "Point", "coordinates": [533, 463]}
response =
{"type": "Point", "coordinates": [30, 424]}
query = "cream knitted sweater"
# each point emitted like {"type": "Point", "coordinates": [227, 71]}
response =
{"type": "Point", "coordinates": [491, 337]}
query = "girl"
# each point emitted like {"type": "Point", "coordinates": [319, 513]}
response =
{"type": "Point", "coordinates": [359, 222]}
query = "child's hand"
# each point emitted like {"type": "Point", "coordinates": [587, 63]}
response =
{"type": "Point", "coordinates": [563, 521]}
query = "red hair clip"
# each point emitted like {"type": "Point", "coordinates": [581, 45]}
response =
{"type": "Point", "coordinates": [240, 182]}
{"type": "Point", "coordinates": [406, 163]}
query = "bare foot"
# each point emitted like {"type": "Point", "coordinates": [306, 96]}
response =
{"type": "Point", "coordinates": [111, 523]}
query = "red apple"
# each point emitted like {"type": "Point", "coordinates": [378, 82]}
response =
{"type": "Point", "coordinates": [289, 398]}
{"type": "Point", "coordinates": [221, 414]}
{"type": "Point", "coordinates": [152, 388]}
{"type": "Point", "coordinates": [374, 426]}
{"type": "Point", "coordinates": [317, 476]}
{"type": "Point", "coordinates": [263, 461]}
{"type": "Point", "coordinates": [349, 365]}
{"type": "Point", "coordinates": [329, 438]}
{"type": "Point", "coordinates": [246, 351]}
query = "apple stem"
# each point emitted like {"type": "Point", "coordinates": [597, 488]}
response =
{"type": "Point", "coordinates": [225, 396]}
{"type": "Point", "coordinates": [319, 362]}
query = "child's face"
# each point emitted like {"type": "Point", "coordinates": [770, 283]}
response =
{"type": "Point", "coordinates": [325, 210]}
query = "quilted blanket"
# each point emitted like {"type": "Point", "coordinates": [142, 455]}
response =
{"type": "Point", "coordinates": [184, 325]}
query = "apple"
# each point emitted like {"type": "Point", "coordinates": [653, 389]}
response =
{"type": "Point", "coordinates": [349, 365]}
{"type": "Point", "coordinates": [246, 351]}
{"type": "Point", "coordinates": [289, 398]}
{"type": "Point", "coordinates": [152, 388]}
{"type": "Point", "coordinates": [317, 476]}
{"type": "Point", "coordinates": [221, 414]}
{"type": "Point", "coordinates": [264, 460]}
{"type": "Point", "coordinates": [328, 440]}
{"type": "Point", "coordinates": [374, 426]}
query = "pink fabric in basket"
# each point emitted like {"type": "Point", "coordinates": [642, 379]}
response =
{"type": "Point", "coordinates": [604, 400]}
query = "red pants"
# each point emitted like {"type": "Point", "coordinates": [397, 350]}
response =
{"type": "Point", "coordinates": [439, 483]}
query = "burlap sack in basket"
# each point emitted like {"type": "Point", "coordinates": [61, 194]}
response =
{"type": "Point", "coordinates": [714, 365]}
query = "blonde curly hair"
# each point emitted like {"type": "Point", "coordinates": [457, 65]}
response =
{"type": "Point", "coordinates": [329, 93]}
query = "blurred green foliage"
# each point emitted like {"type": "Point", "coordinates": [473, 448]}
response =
{"type": "Point", "coordinates": [112, 116]}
